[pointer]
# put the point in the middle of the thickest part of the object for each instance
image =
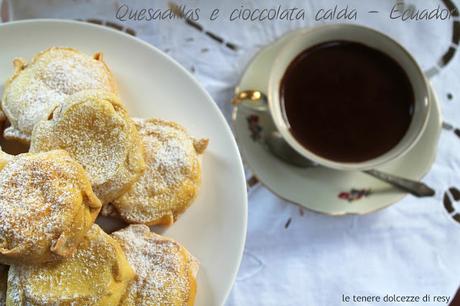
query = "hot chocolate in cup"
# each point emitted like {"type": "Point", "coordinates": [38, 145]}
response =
{"type": "Point", "coordinates": [348, 97]}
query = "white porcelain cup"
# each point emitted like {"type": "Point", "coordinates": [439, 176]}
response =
{"type": "Point", "coordinates": [311, 37]}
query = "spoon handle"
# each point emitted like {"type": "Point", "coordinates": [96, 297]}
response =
{"type": "Point", "coordinates": [415, 188]}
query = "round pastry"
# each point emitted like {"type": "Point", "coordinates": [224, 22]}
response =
{"type": "Point", "coordinates": [96, 274]}
{"type": "Point", "coordinates": [172, 176]}
{"type": "Point", "coordinates": [165, 270]}
{"type": "Point", "coordinates": [3, 280]}
{"type": "Point", "coordinates": [46, 207]}
{"type": "Point", "coordinates": [96, 130]}
{"type": "Point", "coordinates": [36, 88]}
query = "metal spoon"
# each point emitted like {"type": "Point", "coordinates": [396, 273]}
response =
{"type": "Point", "coordinates": [281, 149]}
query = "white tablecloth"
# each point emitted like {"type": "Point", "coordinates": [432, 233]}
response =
{"type": "Point", "coordinates": [411, 248]}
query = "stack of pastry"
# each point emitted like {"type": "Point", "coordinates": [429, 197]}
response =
{"type": "Point", "coordinates": [88, 155]}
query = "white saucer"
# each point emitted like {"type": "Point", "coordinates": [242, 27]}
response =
{"type": "Point", "coordinates": [320, 189]}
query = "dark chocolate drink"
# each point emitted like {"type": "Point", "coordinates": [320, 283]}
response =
{"type": "Point", "coordinates": [347, 102]}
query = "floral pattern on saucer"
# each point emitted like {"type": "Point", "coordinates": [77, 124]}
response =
{"type": "Point", "coordinates": [254, 127]}
{"type": "Point", "coordinates": [354, 194]}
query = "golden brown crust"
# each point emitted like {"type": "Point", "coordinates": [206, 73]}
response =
{"type": "Point", "coordinates": [97, 274]}
{"type": "Point", "coordinates": [46, 207]}
{"type": "Point", "coordinates": [157, 260]}
{"type": "Point", "coordinates": [96, 130]}
{"type": "Point", "coordinates": [35, 89]}
{"type": "Point", "coordinates": [172, 176]}
{"type": "Point", "coordinates": [200, 145]}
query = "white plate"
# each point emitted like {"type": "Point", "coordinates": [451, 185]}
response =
{"type": "Point", "coordinates": [152, 84]}
{"type": "Point", "coordinates": [321, 189]}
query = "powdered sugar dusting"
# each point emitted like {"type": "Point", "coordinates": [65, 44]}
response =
{"type": "Point", "coordinates": [37, 101]}
{"type": "Point", "coordinates": [163, 267]}
{"type": "Point", "coordinates": [172, 159]}
{"type": "Point", "coordinates": [71, 74]}
{"type": "Point", "coordinates": [53, 75]}
{"type": "Point", "coordinates": [36, 198]}
{"type": "Point", "coordinates": [172, 174]}
{"type": "Point", "coordinates": [101, 137]}
{"type": "Point", "coordinates": [82, 279]}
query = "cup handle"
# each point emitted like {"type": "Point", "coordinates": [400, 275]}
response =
{"type": "Point", "coordinates": [255, 99]}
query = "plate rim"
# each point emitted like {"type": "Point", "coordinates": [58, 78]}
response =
{"type": "Point", "coordinates": [210, 101]}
